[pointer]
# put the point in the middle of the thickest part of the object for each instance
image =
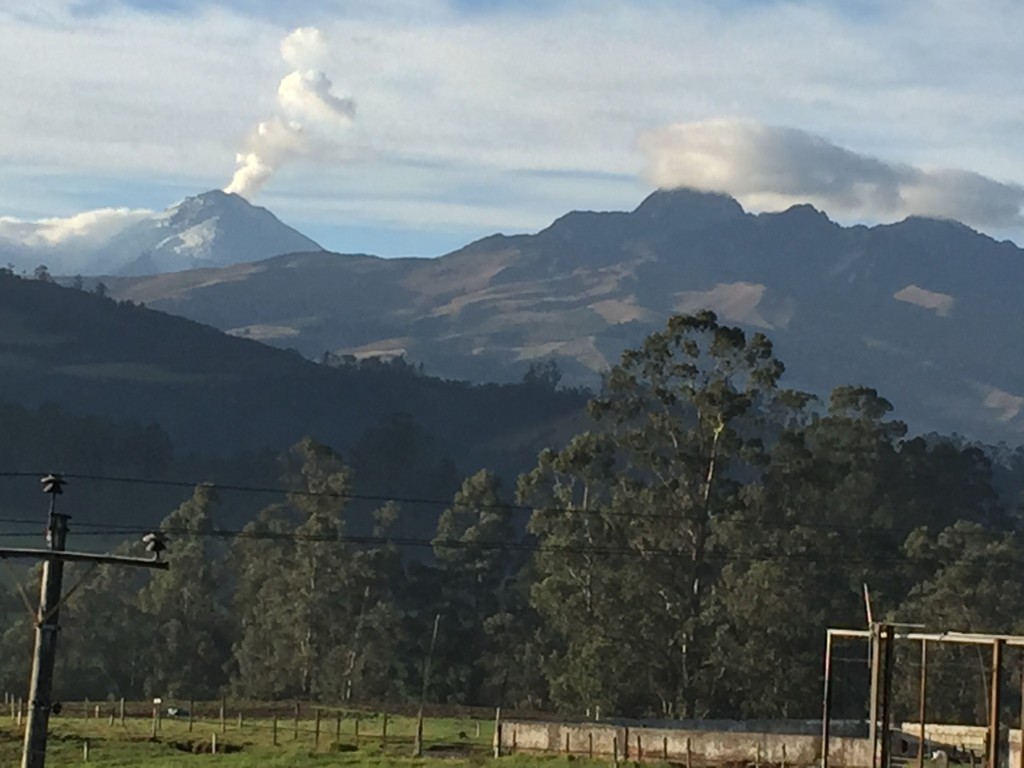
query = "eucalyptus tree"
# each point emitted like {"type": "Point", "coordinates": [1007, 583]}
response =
{"type": "Point", "coordinates": [290, 565]}
{"type": "Point", "coordinates": [968, 581]}
{"type": "Point", "coordinates": [580, 588]}
{"type": "Point", "coordinates": [478, 562]}
{"type": "Point", "coordinates": [315, 609]}
{"type": "Point", "coordinates": [183, 610]}
{"type": "Point", "coordinates": [677, 429]}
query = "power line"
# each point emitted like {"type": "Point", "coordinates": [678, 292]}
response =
{"type": "Point", "coordinates": [412, 500]}
{"type": "Point", "coordinates": [526, 546]}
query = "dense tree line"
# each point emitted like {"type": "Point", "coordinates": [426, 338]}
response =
{"type": "Point", "coordinates": [682, 557]}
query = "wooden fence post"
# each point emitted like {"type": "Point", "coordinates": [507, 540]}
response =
{"type": "Point", "coordinates": [384, 732]}
{"type": "Point", "coordinates": [615, 750]}
{"type": "Point", "coordinates": [316, 730]}
{"type": "Point", "coordinates": [274, 731]}
{"type": "Point", "coordinates": [298, 712]}
{"type": "Point", "coordinates": [337, 727]}
{"type": "Point", "coordinates": [121, 710]}
{"type": "Point", "coordinates": [497, 732]}
{"type": "Point", "coordinates": [213, 743]}
{"type": "Point", "coordinates": [689, 754]}
{"type": "Point", "coordinates": [85, 751]}
{"type": "Point", "coordinates": [191, 710]}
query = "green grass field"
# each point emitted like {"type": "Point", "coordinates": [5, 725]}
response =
{"type": "Point", "coordinates": [453, 743]}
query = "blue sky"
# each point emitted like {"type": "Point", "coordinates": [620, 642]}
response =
{"type": "Point", "coordinates": [476, 116]}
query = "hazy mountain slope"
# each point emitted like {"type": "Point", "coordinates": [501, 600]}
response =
{"type": "Point", "coordinates": [923, 310]}
{"type": "Point", "coordinates": [217, 394]}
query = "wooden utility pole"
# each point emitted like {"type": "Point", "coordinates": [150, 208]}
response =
{"type": "Point", "coordinates": [873, 696]}
{"type": "Point", "coordinates": [417, 748]}
{"type": "Point", "coordinates": [47, 626]}
{"type": "Point", "coordinates": [40, 703]}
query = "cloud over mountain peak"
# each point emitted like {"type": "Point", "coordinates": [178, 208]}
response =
{"type": "Point", "coordinates": [772, 167]}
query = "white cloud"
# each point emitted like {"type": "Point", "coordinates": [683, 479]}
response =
{"type": "Point", "coordinates": [65, 244]}
{"type": "Point", "coordinates": [771, 167]}
{"type": "Point", "coordinates": [83, 230]}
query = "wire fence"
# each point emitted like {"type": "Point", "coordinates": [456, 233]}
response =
{"type": "Point", "coordinates": [230, 725]}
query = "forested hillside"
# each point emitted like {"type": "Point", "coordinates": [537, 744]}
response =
{"type": "Point", "coordinates": [93, 386]}
{"type": "Point", "coordinates": [682, 556]}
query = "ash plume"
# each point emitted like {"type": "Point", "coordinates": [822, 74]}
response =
{"type": "Point", "coordinates": [308, 113]}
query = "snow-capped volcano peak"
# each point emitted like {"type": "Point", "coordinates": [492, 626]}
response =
{"type": "Point", "coordinates": [196, 208]}
{"type": "Point", "coordinates": [212, 229]}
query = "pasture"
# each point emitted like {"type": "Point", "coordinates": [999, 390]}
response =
{"type": "Point", "coordinates": [342, 738]}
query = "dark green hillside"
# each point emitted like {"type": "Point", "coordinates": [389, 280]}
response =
{"type": "Point", "coordinates": [214, 394]}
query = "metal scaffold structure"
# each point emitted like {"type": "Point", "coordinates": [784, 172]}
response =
{"type": "Point", "coordinates": [881, 637]}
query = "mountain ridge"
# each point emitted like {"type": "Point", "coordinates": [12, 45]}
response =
{"type": "Point", "coordinates": [908, 307]}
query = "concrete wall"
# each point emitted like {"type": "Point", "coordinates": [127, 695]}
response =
{"type": "Point", "coordinates": [687, 747]}
{"type": "Point", "coordinates": [703, 747]}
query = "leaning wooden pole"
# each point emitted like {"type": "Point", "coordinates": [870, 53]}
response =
{"type": "Point", "coordinates": [47, 627]}
{"type": "Point", "coordinates": [40, 701]}
{"type": "Point", "coordinates": [417, 747]}
{"type": "Point", "coordinates": [875, 640]}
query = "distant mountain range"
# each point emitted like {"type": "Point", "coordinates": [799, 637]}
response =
{"type": "Point", "coordinates": [924, 310]}
{"type": "Point", "coordinates": [214, 229]}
